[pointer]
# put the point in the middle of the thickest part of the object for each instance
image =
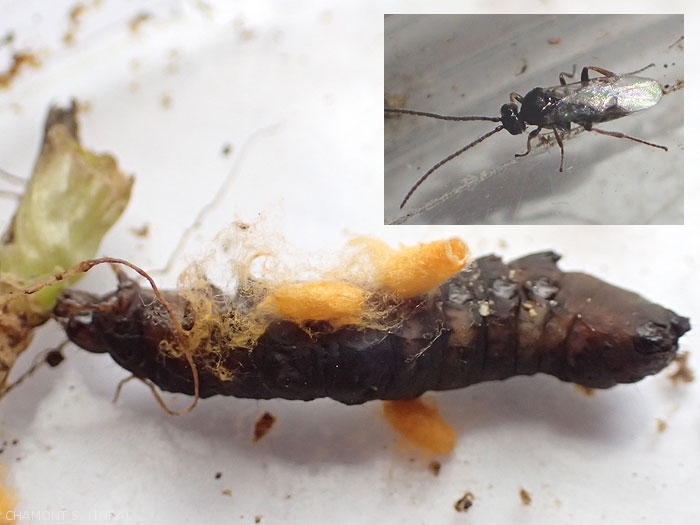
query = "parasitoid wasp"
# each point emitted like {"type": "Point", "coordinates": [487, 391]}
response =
{"type": "Point", "coordinates": [588, 102]}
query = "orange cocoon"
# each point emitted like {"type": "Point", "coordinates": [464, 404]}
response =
{"type": "Point", "coordinates": [337, 303]}
{"type": "Point", "coordinates": [407, 272]}
{"type": "Point", "coordinates": [414, 270]}
{"type": "Point", "coordinates": [7, 500]}
{"type": "Point", "coordinates": [421, 425]}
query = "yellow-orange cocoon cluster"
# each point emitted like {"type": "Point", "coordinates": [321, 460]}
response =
{"type": "Point", "coordinates": [406, 272]}
{"type": "Point", "coordinates": [414, 270]}
{"type": "Point", "coordinates": [337, 303]}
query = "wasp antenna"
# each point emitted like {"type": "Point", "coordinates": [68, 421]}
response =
{"type": "Point", "coordinates": [439, 117]}
{"type": "Point", "coordinates": [640, 70]}
{"type": "Point", "coordinates": [445, 161]}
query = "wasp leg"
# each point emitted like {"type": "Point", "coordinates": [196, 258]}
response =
{"type": "Point", "coordinates": [569, 75]}
{"type": "Point", "coordinates": [623, 136]}
{"type": "Point", "coordinates": [531, 136]}
{"type": "Point", "coordinates": [561, 148]}
{"type": "Point", "coordinates": [604, 72]}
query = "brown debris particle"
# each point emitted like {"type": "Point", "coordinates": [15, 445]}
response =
{"type": "Point", "coordinates": [585, 390]}
{"type": "Point", "coordinates": [217, 475]}
{"type": "Point", "coordinates": [683, 373]}
{"type": "Point", "coordinates": [258, 518]}
{"type": "Point", "coordinates": [677, 86]}
{"type": "Point", "coordinates": [661, 425]}
{"type": "Point", "coordinates": [74, 17]}
{"type": "Point", "coordinates": [227, 492]}
{"type": "Point", "coordinates": [263, 426]}
{"type": "Point", "coordinates": [76, 13]}
{"type": "Point", "coordinates": [137, 21]}
{"type": "Point", "coordinates": [525, 497]}
{"type": "Point", "coordinates": [466, 501]}
{"type": "Point", "coordinates": [54, 358]}
{"type": "Point", "coordinates": [166, 101]}
{"type": "Point", "coordinates": [142, 231]}
{"type": "Point", "coordinates": [434, 467]}
{"type": "Point", "coordinates": [522, 69]}
{"type": "Point", "coordinates": [554, 41]}
{"type": "Point", "coordinates": [7, 39]}
{"type": "Point", "coordinates": [20, 60]}
{"type": "Point", "coordinates": [246, 34]}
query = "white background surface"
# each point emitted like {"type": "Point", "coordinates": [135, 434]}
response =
{"type": "Point", "coordinates": [305, 80]}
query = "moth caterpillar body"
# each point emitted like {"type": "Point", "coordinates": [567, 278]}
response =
{"type": "Point", "coordinates": [490, 321]}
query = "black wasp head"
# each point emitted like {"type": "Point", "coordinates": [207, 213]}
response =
{"type": "Point", "coordinates": [511, 120]}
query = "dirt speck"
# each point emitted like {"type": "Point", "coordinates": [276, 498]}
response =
{"type": "Point", "coordinates": [661, 426]}
{"type": "Point", "coordinates": [75, 16]}
{"type": "Point", "coordinates": [20, 60]}
{"type": "Point", "coordinates": [7, 39]}
{"type": "Point", "coordinates": [465, 502]}
{"type": "Point", "coordinates": [585, 390]}
{"type": "Point", "coordinates": [141, 231]}
{"type": "Point", "coordinates": [683, 373]}
{"type": "Point", "coordinates": [263, 426]}
{"type": "Point", "coordinates": [525, 497]}
{"type": "Point", "coordinates": [137, 22]}
{"type": "Point", "coordinates": [166, 101]}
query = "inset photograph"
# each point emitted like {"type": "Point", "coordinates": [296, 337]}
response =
{"type": "Point", "coordinates": [533, 119]}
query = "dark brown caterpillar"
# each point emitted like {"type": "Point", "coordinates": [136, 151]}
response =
{"type": "Point", "coordinates": [491, 321]}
